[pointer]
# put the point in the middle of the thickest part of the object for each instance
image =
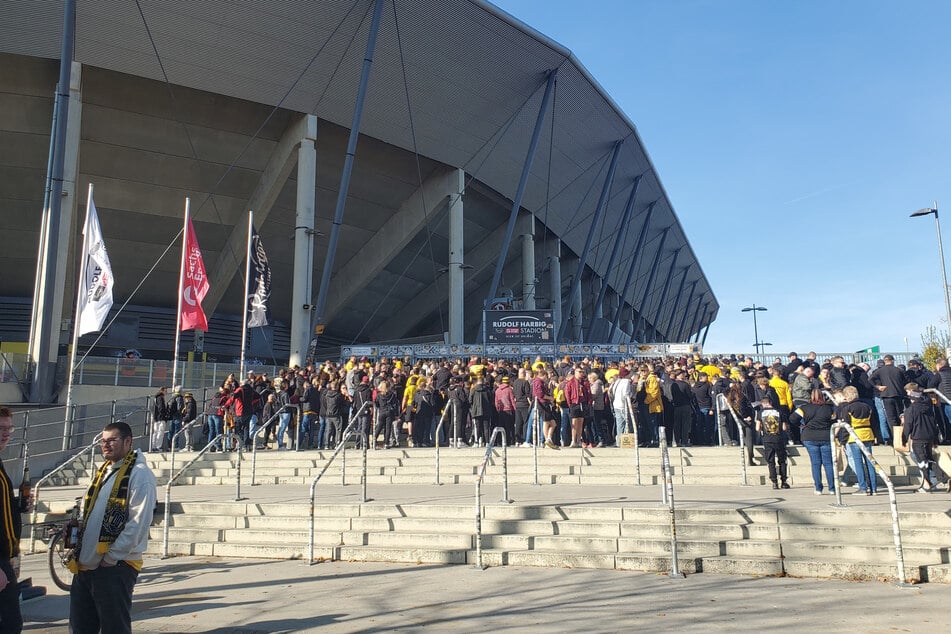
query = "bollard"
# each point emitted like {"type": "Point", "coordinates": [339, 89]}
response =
{"type": "Point", "coordinates": [669, 488]}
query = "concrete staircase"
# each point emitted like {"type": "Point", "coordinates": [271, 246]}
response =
{"type": "Point", "coordinates": [606, 466]}
{"type": "Point", "coordinates": [752, 538]}
{"type": "Point", "coordinates": [819, 543]}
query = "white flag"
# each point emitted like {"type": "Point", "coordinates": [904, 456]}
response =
{"type": "Point", "coordinates": [97, 299]}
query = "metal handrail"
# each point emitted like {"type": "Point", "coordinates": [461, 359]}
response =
{"type": "Point", "coordinates": [941, 396]}
{"type": "Point", "coordinates": [341, 448]}
{"type": "Point", "coordinates": [478, 486]}
{"type": "Point", "coordinates": [892, 501]}
{"type": "Point", "coordinates": [39, 483]}
{"type": "Point", "coordinates": [637, 442]}
{"type": "Point", "coordinates": [669, 496]}
{"type": "Point", "coordinates": [442, 419]}
{"type": "Point", "coordinates": [343, 458]}
{"type": "Point", "coordinates": [175, 476]}
{"type": "Point", "coordinates": [536, 432]}
{"type": "Point", "coordinates": [187, 426]}
{"type": "Point", "coordinates": [740, 435]}
{"type": "Point", "coordinates": [254, 444]}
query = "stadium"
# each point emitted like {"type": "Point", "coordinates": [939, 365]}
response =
{"type": "Point", "coordinates": [490, 170]}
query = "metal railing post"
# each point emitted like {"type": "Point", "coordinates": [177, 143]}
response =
{"type": "Point", "coordinates": [637, 442]}
{"type": "Point", "coordinates": [112, 413]}
{"type": "Point", "coordinates": [478, 520]}
{"type": "Point", "coordinates": [313, 485]}
{"type": "Point", "coordinates": [254, 444]}
{"type": "Point", "coordinates": [45, 478]}
{"type": "Point", "coordinates": [669, 488]}
{"type": "Point", "coordinates": [741, 436]}
{"type": "Point", "coordinates": [442, 419]}
{"type": "Point", "coordinates": [363, 477]}
{"type": "Point", "coordinates": [536, 429]}
{"type": "Point", "coordinates": [478, 484]}
{"type": "Point", "coordinates": [151, 372]}
{"type": "Point", "coordinates": [892, 501]}
{"type": "Point", "coordinates": [115, 381]}
{"type": "Point", "coordinates": [174, 476]}
{"type": "Point", "coordinates": [343, 452]}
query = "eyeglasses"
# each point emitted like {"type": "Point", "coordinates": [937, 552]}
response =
{"type": "Point", "coordinates": [6, 430]}
{"type": "Point", "coordinates": [110, 441]}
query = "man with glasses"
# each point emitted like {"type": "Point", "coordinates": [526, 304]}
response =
{"type": "Point", "coordinates": [10, 508]}
{"type": "Point", "coordinates": [114, 532]}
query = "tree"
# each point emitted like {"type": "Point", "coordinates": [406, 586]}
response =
{"type": "Point", "coordinates": [934, 344]}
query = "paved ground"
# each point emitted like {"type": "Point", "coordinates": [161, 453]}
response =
{"type": "Point", "coordinates": [194, 594]}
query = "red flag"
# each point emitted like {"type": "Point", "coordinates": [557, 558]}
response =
{"type": "Point", "coordinates": [194, 285]}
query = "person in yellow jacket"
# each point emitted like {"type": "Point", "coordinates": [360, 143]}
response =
{"type": "Point", "coordinates": [406, 407]}
{"type": "Point", "coordinates": [782, 389]}
{"type": "Point", "coordinates": [649, 385]}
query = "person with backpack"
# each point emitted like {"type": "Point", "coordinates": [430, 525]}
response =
{"type": "Point", "coordinates": [859, 416]}
{"type": "Point", "coordinates": [769, 423]}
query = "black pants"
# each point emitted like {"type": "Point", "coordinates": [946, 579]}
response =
{"type": "Point", "coordinates": [100, 600]}
{"type": "Point", "coordinates": [894, 406]}
{"type": "Point", "coordinates": [11, 622]}
{"type": "Point", "coordinates": [507, 422]}
{"type": "Point", "coordinates": [521, 422]}
{"type": "Point", "coordinates": [683, 417]}
{"type": "Point", "coordinates": [775, 451]}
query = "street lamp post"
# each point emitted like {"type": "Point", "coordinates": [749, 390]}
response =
{"type": "Point", "coordinates": [754, 309]}
{"type": "Point", "coordinates": [944, 275]}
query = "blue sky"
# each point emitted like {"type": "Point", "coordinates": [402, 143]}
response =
{"type": "Point", "coordinates": [793, 138]}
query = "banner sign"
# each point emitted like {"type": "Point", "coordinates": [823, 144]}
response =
{"type": "Point", "coordinates": [519, 326]}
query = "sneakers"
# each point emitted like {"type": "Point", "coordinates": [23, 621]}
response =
{"type": "Point", "coordinates": [551, 445]}
{"type": "Point", "coordinates": [599, 445]}
{"type": "Point", "coordinates": [860, 492]}
{"type": "Point", "coordinates": [817, 492]}
{"type": "Point", "coordinates": [785, 485]}
{"type": "Point", "coordinates": [525, 444]}
{"type": "Point", "coordinates": [775, 486]}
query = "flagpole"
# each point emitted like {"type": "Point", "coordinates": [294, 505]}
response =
{"type": "Point", "coordinates": [181, 289]}
{"type": "Point", "coordinates": [247, 281]}
{"type": "Point", "coordinates": [80, 288]}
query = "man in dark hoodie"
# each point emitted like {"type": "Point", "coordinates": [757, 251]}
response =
{"type": "Point", "coordinates": [364, 395]}
{"type": "Point", "coordinates": [920, 430]}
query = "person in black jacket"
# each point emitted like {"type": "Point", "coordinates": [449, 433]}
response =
{"type": "Point", "coordinates": [890, 382]}
{"type": "Point", "coordinates": [11, 507]}
{"type": "Point", "coordinates": [481, 407]}
{"type": "Point", "coordinates": [743, 409]}
{"type": "Point", "coordinates": [424, 409]}
{"type": "Point", "coordinates": [522, 388]}
{"type": "Point", "coordinates": [681, 398]}
{"type": "Point", "coordinates": [159, 420]}
{"type": "Point", "coordinates": [388, 422]}
{"type": "Point", "coordinates": [941, 381]}
{"type": "Point", "coordinates": [364, 395]}
{"type": "Point", "coordinates": [335, 408]}
{"type": "Point", "coordinates": [919, 427]}
{"type": "Point", "coordinates": [703, 397]}
{"type": "Point", "coordinates": [815, 418]}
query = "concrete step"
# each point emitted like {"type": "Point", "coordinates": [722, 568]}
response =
{"type": "Point", "coordinates": [397, 554]}
{"type": "Point", "coordinates": [865, 553]}
{"type": "Point", "coordinates": [744, 565]}
{"type": "Point", "coordinates": [848, 569]}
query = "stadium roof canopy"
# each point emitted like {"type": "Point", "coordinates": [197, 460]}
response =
{"type": "Point", "coordinates": [458, 81]}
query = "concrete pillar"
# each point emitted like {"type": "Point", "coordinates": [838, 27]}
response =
{"type": "Point", "coordinates": [526, 228]}
{"type": "Point", "coordinates": [554, 281]}
{"type": "Point", "coordinates": [49, 317]}
{"type": "Point", "coordinates": [575, 311]}
{"type": "Point", "coordinates": [67, 268]}
{"type": "Point", "coordinates": [457, 282]}
{"type": "Point", "coordinates": [596, 283]}
{"type": "Point", "coordinates": [304, 232]}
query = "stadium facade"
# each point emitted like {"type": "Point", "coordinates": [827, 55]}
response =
{"type": "Point", "coordinates": [249, 105]}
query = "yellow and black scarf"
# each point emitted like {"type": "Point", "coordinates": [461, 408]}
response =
{"type": "Point", "coordinates": [117, 509]}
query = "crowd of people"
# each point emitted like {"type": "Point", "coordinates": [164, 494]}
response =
{"type": "Point", "coordinates": [580, 403]}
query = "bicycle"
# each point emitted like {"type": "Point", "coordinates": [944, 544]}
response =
{"type": "Point", "coordinates": [62, 539]}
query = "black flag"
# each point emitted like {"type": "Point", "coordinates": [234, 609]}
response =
{"type": "Point", "coordinates": [259, 284]}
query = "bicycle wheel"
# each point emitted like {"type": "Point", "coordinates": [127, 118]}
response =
{"type": "Point", "coordinates": [57, 556]}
